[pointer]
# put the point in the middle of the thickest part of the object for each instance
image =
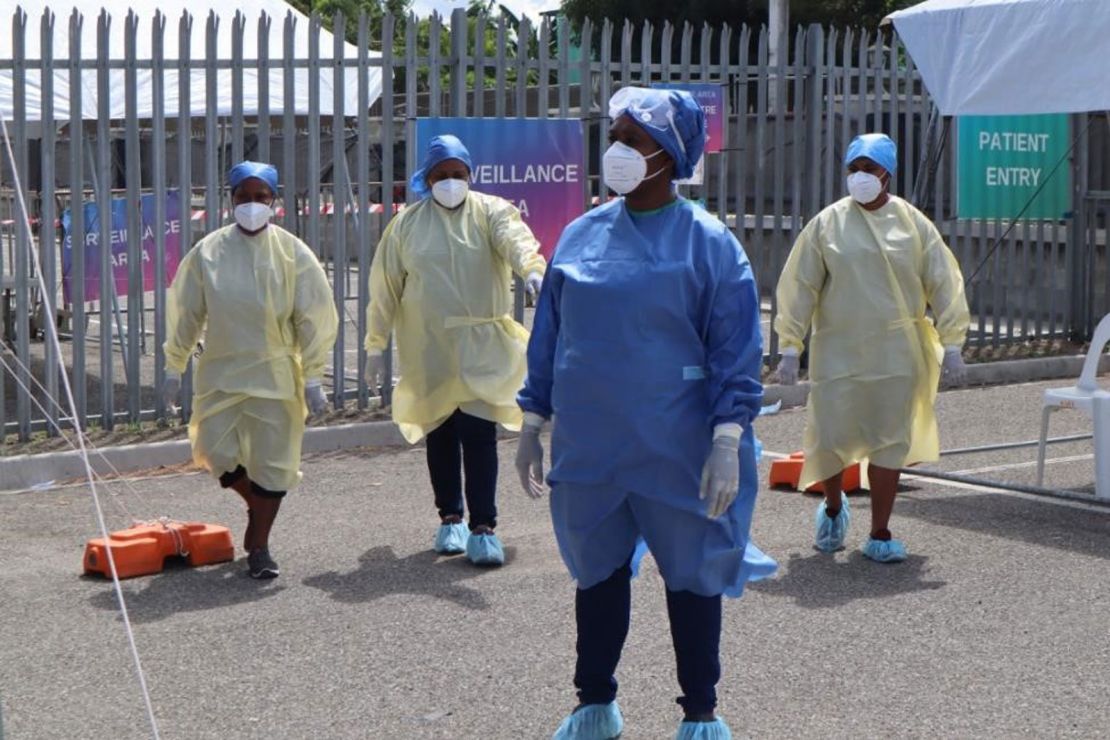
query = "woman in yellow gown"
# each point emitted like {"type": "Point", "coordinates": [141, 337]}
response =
{"type": "Point", "coordinates": [441, 280]}
{"type": "Point", "coordinates": [264, 304]}
{"type": "Point", "coordinates": [862, 274]}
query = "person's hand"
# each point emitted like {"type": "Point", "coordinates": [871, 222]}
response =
{"type": "Point", "coordinates": [788, 369]}
{"type": "Point", "coordinates": [533, 283]}
{"type": "Point", "coordinates": [953, 371]}
{"type": "Point", "coordinates": [171, 389]}
{"type": "Point", "coordinates": [720, 478]}
{"type": "Point", "coordinates": [314, 398]}
{"type": "Point", "coordinates": [529, 458]}
{"type": "Point", "coordinates": [375, 371]}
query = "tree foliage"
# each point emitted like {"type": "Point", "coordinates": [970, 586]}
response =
{"type": "Point", "coordinates": [716, 13]}
{"type": "Point", "coordinates": [695, 12]}
{"type": "Point", "coordinates": [376, 10]}
{"type": "Point", "coordinates": [856, 13]}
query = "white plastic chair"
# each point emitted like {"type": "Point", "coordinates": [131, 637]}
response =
{"type": "Point", "coordinates": [1088, 397]}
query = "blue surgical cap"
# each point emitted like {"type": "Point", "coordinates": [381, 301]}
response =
{"type": "Point", "coordinates": [672, 117]}
{"type": "Point", "coordinates": [440, 148]}
{"type": "Point", "coordinates": [879, 148]}
{"type": "Point", "coordinates": [267, 173]}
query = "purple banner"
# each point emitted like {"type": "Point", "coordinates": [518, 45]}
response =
{"type": "Point", "coordinates": [171, 226]}
{"type": "Point", "coordinates": [537, 164]}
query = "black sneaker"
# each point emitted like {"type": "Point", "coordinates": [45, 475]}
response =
{"type": "Point", "coordinates": [262, 565]}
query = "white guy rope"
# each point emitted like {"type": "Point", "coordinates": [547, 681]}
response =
{"type": "Point", "coordinates": [52, 337]}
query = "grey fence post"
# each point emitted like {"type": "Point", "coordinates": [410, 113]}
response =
{"type": "Point", "coordinates": [312, 235]}
{"type": "Point", "coordinates": [460, 37]}
{"type": "Point", "coordinates": [339, 207]}
{"type": "Point", "coordinates": [104, 215]}
{"type": "Point", "coordinates": [158, 174]}
{"type": "Point", "coordinates": [22, 263]}
{"type": "Point", "coordinates": [48, 232]}
{"type": "Point", "coordinates": [262, 132]}
{"type": "Point", "coordinates": [289, 124]}
{"type": "Point", "coordinates": [238, 28]}
{"type": "Point", "coordinates": [1079, 307]}
{"type": "Point", "coordinates": [185, 171]}
{"type": "Point", "coordinates": [77, 220]}
{"type": "Point", "coordinates": [362, 177]}
{"type": "Point", "coordinates": [134, 219]}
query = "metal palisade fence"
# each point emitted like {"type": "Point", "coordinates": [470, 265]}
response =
{"type": "Point", "coordinates": [147, 128]}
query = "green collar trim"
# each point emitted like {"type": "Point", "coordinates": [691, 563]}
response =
{"type": "Point", "coordinates": [651, 212]}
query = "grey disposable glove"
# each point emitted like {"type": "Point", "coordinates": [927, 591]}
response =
{"type": "Point", "coordinates": [314, 398]}
{"type": "Point", "coordinates": [953, 370]}
{"type": "Point", "coordinates": [171, 389]}
{"type": "Point", "coordinates": [720, 478]}
{"type": "Point", "coordinates": [533, 283]}
{"type": "Point", "coordinates": [529, 456]}
{"type": "Point", "coordinates": [375, 370]}
{"type": "Point", "coordinates": [788, 368]}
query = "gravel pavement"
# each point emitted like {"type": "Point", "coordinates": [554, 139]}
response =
{"type": "Point", "coordinates": [996, 626]}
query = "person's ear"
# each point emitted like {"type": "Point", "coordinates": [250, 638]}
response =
{"type": "Point", "coordinates": [669, 165]}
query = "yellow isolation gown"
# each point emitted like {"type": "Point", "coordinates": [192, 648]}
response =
{"type": "Point", "coordinates": [863, 280]}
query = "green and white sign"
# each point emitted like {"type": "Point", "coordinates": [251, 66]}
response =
{"type": "Point", "coordinates": [1005, 160]}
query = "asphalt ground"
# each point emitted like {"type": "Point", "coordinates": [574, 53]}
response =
{"type": "Point", "coordinates": [996, 626]}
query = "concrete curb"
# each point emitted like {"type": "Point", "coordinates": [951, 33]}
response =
{"type": "Point", "coordinates": [21, 472]}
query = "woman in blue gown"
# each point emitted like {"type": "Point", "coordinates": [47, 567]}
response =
{"type": "Point", "coordinates": [646, 355]}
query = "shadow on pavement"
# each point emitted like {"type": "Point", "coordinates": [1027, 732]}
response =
{"type": "Point", "coordinates": [180, 588]}
{"type": "Point", "coordinates": [1043, 523]}
{"type": "Point", "coordinates": [381, 573]}
{"type": "Point", "coordinates": [821, 581]}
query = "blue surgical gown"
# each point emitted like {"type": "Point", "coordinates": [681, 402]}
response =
{"type": "Point", "coordinates": [647, 336]}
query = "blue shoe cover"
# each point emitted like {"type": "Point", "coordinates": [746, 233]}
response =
{"type": "Point", "coordinates": [715, 730]}
{"type": "Point", "coordinates": [831, 532]}
{"type": "Point", "coordinates": [485, 549]}
{"type": "Point", "coordinates": [592, 722]}
{"type": "Point", "coordinates": [885, 551]}
{"type": "Point", "coordinates": [451, 539]}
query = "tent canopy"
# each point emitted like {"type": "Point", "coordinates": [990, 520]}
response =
{"type": "Point", "coordinates": [1000, 57]}
{"type": "Point", "coordinates": [252, 10]}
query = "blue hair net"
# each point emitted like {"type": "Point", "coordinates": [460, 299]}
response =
{"type": "Point", "coordinates": [672, 117]}
{"type": "Point", "coordinates": [879, 148]}
{"type": "Point", "coordinates": [267, 173]}
{"type": "Point", "coordinates": [440, 148]}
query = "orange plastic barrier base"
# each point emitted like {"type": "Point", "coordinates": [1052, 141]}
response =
{"type": "Point", "coordinates": [143, 549]}
{"type": "Point", "coordinates": [787, 473]}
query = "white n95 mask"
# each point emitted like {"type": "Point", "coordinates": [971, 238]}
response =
{"type": "Point", "coordinates": [624, 167]}
{"type": "Point", "coordinates": [864, 187]}
{"type": "Point", "coordinates": [450, 193]}
{"type": "Point", "coordinates": [252, 216]}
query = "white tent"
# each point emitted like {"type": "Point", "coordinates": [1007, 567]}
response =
{"type": "Point", "coordinates": [252, 10]}
{"type": "Point", "coordinates": [999, 57]}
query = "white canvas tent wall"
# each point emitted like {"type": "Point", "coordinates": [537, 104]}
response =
{"type": "Point", "coordinates": [1022, 57]}
{"type": "Point", "coordinates": [1000, 57]}
{"type": "Point", "coordinates": [173, 10]}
